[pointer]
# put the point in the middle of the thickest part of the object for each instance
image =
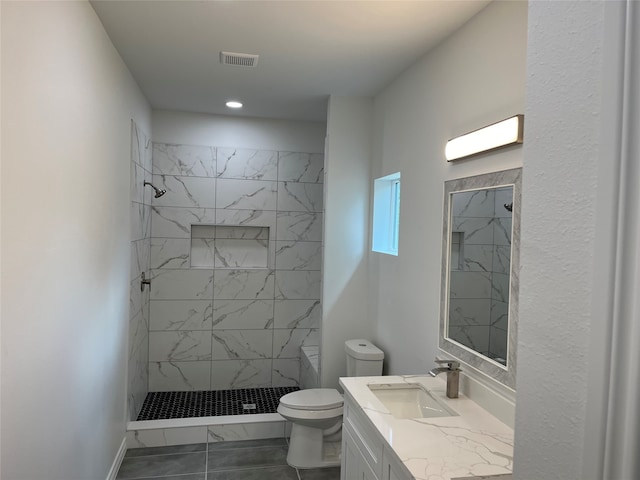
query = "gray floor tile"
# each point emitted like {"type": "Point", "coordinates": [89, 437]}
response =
{"type": "Point", "coordinates": [266, 473]}
{"type": "Point", "coordinates": [332, 473]}
{"type": "Point", "coordinates": [191, 476]}
{"type": "Point", "coordinates": [159, 465]}
{"type": "Point", "coordinates": [269, 442]}
{"type": "Point", "coordinates": [144, 452]}
{"type": "Point", "coordinates": [247, 457]}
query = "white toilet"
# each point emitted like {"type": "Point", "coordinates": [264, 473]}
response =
{"type": "Point", "coordinates": [316, 413]}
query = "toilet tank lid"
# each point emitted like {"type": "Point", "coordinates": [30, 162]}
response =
{"type": "Point", "coordinates": [363, 350]}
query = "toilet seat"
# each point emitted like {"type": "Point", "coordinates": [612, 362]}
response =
{"type": "Point", "coordinates": [313, 399]}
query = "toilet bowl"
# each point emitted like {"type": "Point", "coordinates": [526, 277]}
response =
{"type": "Point", "coordinates": [316, 413]}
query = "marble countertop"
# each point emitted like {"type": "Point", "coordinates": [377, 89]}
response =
{"type": "Point", "coordinates": [472, 444]}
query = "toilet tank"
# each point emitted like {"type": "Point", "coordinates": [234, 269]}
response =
{"type": "Point", "coordinates": [364, 359]}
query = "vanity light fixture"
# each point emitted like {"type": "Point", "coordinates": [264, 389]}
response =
{"type": "Point", "coordinates": [501, 134]}
{"type": "Point", "coordinates": [233, 104]}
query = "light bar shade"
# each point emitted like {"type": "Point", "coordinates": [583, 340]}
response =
{"type": "Point", "coordinates": [501, 134]}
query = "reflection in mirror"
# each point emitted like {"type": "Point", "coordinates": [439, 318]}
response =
{"type": "Point", "coordinates": [478, 319]}
{"type": "Point", "coordinates": [479, 270]}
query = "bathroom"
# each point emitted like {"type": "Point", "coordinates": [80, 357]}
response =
{"type": "Point", "coordinates": [392, 301]}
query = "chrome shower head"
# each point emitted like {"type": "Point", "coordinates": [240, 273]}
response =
{"type": "Point", "coordinates": [158, 191]}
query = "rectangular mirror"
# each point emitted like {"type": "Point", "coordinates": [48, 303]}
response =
{"type": "Point", "coordinates": [479, 291]}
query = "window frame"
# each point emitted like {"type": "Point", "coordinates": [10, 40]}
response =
{"type": "Point", "coordinates": [385, 231]}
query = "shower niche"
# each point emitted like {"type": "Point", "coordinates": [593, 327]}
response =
{"type": "Point", "coordinates": [225, 246]}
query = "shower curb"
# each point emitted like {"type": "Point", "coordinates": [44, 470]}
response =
{"type": "Point", "coordinates": [180, 431]}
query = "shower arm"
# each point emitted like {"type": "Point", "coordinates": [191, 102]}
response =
{"type": "Point", "coordinates": [158, 191]}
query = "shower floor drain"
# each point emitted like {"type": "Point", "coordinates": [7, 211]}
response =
{"type": "Point", "coordinates": [246, 401]}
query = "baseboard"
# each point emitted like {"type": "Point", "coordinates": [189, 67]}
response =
{"type": "Point", "coordinates": [115, 466]}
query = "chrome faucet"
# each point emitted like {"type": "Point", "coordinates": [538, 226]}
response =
{"type": "Point", "coordinates": [453, 375]}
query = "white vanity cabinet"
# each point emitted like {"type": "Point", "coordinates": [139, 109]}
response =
{"type": "Point", "coordinates": [466, 443]}
{"type": "Point", "coordinates": [364, 454]}
{"type": "Point", "coordinates": [354, 466]}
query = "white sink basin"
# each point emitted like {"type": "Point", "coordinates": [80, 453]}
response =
{"type": "Point", "coordinates": [410, 400]}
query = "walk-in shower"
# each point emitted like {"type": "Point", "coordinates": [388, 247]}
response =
{"type": "Point", "coordinates": [231, 254]}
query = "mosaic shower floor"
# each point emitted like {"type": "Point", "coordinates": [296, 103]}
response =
{"type": "Point", "coordinates": [210, 403]}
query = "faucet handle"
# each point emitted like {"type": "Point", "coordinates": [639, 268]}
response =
{"type": "Point", "coordinates": [452, 364]}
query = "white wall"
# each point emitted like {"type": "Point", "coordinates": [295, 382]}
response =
{"type": "Point", "coordinates": [345, 301]}
{"type": "Point", "coordinates": [67, 104]}
{"type": "Point", "coordinates": [572, 171]}
{"type": "Point", "coordinates": [229, 131]}
{"type": "Point", "coordinates": [473, 78]}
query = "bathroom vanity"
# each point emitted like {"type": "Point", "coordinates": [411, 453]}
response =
{"type": "Point", "coordinates": [404, 428]}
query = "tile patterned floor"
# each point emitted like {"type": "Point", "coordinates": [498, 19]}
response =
{"type": "Point", "coordinates": [243, 460]}
{"type": "Point", "coordinates": [245, 401]}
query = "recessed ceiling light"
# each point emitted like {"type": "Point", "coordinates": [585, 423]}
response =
{"type": "Point", "coordinates": [233, 104]}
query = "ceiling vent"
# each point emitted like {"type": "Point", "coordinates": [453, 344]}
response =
{"type": "Point", "coordinates": [239, 59]}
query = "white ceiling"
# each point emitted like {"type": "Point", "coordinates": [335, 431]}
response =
{"type": "Point", "coordinates": [308, 49]}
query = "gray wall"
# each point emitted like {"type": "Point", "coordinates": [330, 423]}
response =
{"type": "Point", "coordinates": [474, 78]}
{"type": "Point", "coordinates": [576, 158]}
{"type": "Point", "coordinates": [67, 104]}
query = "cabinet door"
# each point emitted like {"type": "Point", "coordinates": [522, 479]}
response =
{"type": "Point", "coordinates": [354, 466]}
{"type": "Point", "coordinates": [349, 470]}
{"type": "Point", "coordinates": [391, 469]}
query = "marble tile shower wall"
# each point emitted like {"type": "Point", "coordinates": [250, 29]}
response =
{"type": "Point", "coordinates": [478, 309]}
{"type": "Point", "coordinates": [226, 326]}
{"type": "Point", "coordinates": [138, 368]}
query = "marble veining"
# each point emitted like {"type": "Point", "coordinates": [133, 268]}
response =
{"type": "Point", "coordinates": [298, 284]}
{"type": "Point", "coordinates": [309, 360]}
{"type": "Point", "coordinates": [243, 284]}
{"type": "Point", "coordinates": [246, 194]}
{"type": "Point", "coordinates": [202, 253]}
{"type": "Point", "coordinates": [185, 191]}
{"type": "Point", "coordinates": [471, 444]}
{"type": "Point", "coordinates": [181, 284]}
{"type": "Point", "coordinates": [297, 313]}
{"type": "Point", "coordinates": [179, 346]}
{"type": "Point", "coordinates": [241, 373]}
{"type": "Point", "coordinates": [286, 372]}
{"type": "Point", "coordinates": [470, 311]}
{"type": "Point", "coordinates": [177, 376]}
{"type": "Point", "coordinates": [140, 222]}
{"type": "Point", "coordinates": [240, 253]}
{"type": "Point", "coordinates": [299, 226]}
{"type": "Point", "coordinates": [250, 217]}
{"type": "Point", "coordinates": [213, 262]}
{"type": "Point", "coordinates": [247, 164]}
{"type": "Point", "coordinates": [287, 343]}
{"type": "Point", "coordinates": [242, 314]}
{"type": "Point", "coordinates": [181, 315]}
{"type": "Point", "coordinates": [478, 203]}
{"type": "Point", "coordinates": [187, 160]}
{"type": "Point", "coordinates": [241, 344]}
{"type": "Point", "coordinates": [175, 222]}
{"type": "Point", "coordinates": [301, 167]}
{"type": "Point", "coordinates": [298, 255]}
{"type": "Point", "coordinates": [300, 197]}
{"type": "Point", "coordinates": [169, 253]}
